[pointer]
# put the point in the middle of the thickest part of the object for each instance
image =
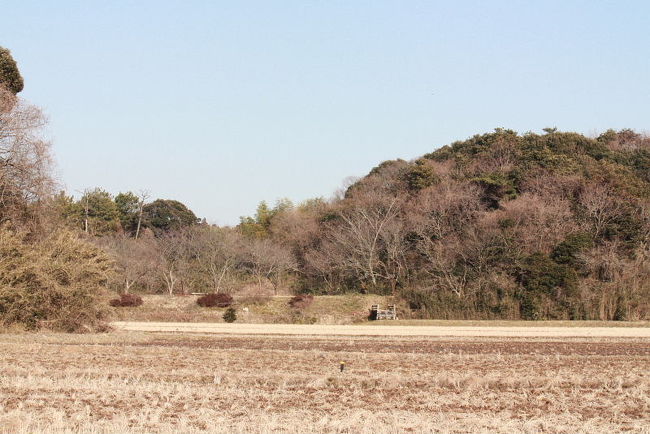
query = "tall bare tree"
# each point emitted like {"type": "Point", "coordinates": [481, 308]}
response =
{"type": "Point", "coordinates": [143, 195]}
{"type": "Point", "coordinates": [365, 240]}
{"type": "Point", "coordinates": [25, 160]}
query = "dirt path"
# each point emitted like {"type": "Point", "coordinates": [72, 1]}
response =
{"type": "Point", "coordinates": [367, 330]}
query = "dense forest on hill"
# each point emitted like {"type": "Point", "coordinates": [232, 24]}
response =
{"type": "Point", "coordinates": [501, 225]}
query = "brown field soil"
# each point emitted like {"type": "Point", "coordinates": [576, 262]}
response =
{"type": "Point", "coordinates": [386, 330]}
{"type": "Point", "coordinates": [133, 382]}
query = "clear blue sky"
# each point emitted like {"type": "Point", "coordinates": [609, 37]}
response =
{"type": "Point", "coordinates": [223, 104]}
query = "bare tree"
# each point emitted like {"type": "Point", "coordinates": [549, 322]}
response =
{"type": "Point", "coordinates": [366, 240]}
{"type": "Point", "coordinates": [25, 161]}
{"type": "Point", "coordinates": [172, 258]}
{"type": "Point", "coordinates": [539, 222]}
{"type": "Point", "coordinates": [601, 206]}
{"type": "Point", "coordinates": [135, 260]}
{"type": "Point", "coordinates": [143, 195]}
{"type": "Point", "coordinates": [455, 238]}
{"type": "Point", "coordinates": [85, 194]}
{"type": "Point", "coordinates": [216, 253]}
{"type": "Point", "coordinates": [269, 261]}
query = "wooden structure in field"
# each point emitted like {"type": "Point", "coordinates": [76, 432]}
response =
{"type": "Point", "coordinates": [377, 314]}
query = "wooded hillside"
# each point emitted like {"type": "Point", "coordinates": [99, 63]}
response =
{"type": "Point", "coordinates": [555, 225]}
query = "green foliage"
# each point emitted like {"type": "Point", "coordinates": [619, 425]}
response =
{"type": "Point", "coordinates": [312, 205]}
{"type": "Point", "coordinates": [96, 212]}
{"type": "Point", "coordinates": [540, 274]}
{"type": "Point", "coordinates": [568, 251]}
{"type": "Point", "coordinates": [258, 226]}
{"type": "Point", "coordinates": [542, 280]}
{"type": "Point", "coordinates": [639, 161]}
{"type": "Point", "coordinates": [230, 315]}
{"type": "Point", "coordinates": [420, 175]}
{"type": "Point", "coordinates": [477, 145]}
{"type": "Point", "coordinates": [626, 227]}
{"type": "Point", "coordinates": [572, 144]}
{"type": "Point", "coordinates": [9, 74]}
{"type": "Point", "coordinates": [385, 166]}
{"type": "Point", "coordinates": [164, 215]}
{"type": "Point", "coordinates": [128, 206]}
{"type": "Point", "coordinates": [54, 283]}
{"type": "Point", "coordinates": [386, 176]}
{"type": "Point", "coordinates": [496, 187]}
{"type": "Point", "coordinates": [65, 208]}
{"type": "Point", "coordinates": [562, 153]}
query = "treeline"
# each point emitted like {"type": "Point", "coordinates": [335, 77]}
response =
{"type": "Point", "coordinates": [534, 226]}
{"type": "Point", "coordinates": [161, 246]}
{"type": "Point", "coordinates": [502, 225]}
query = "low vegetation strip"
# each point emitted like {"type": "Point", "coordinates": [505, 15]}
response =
{"type": "Point", "coordinates": [381, 330]}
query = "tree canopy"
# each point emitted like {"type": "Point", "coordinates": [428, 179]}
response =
{"type": "Point", "coordinates": [10, 76]}
{"type": "Point", "coordinates": [164, 215]}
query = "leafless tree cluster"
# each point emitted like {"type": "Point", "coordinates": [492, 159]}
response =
{"type": "Point", "coordinates": [197, 259]}
{"type": "Point", "coordinates": [25, 160]}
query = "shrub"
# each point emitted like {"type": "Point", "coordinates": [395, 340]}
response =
{"type": "Point", "coordinates": [301, 301]}
{"type": "Point", "coordinates": [126, 300]}
{"type": "Point", "coordinates": [230, 315]}
{"type": "Point", "coordinates": [496, 187]}
{"type": "Point", "coordinates": [568, 251]}
{"type": "Point", "coordinates": [419, 176]}
{"type": "Point", "coordinates": [540, 274]}
{"type": "Point", "coordinates": [55, 282]}
{"type": "Point", "coordinates": [215, 300]}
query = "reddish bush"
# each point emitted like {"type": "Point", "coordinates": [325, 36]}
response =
{"type": "Point", "coordinates": [215, 300]}
{"type": "Point", "coordinates": [126, 300]}
{"type": "Point", "coordinates": [301, 301]}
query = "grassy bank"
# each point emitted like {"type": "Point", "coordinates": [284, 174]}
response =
{"type": "Point", "coordinates": [334, 309]}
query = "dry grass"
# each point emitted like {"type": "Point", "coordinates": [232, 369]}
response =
{"type": "Point", "coordinates": [344, 309]}
{"type": "Point", "coordinates": [137, 383]}
{"type": "Point", "coordinates": [336, 309]}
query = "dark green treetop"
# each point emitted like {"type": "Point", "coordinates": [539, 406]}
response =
{"type": "Point", "coordinates": [163, 215]}
{"type": "Point", "coordinates": [9, 74]}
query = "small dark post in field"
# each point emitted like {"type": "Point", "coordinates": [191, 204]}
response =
{"type": "Point", "coordinates": [342, 366]}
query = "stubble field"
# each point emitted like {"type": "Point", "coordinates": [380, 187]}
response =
{"type": "Point", "coordinates": [134, 382]}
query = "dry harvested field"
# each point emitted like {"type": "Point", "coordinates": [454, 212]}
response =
{"type": "Point", "coordinates": [135, 382]}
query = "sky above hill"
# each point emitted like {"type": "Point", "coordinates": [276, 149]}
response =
{"type": "Point", "coordinates": [223, 104]}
